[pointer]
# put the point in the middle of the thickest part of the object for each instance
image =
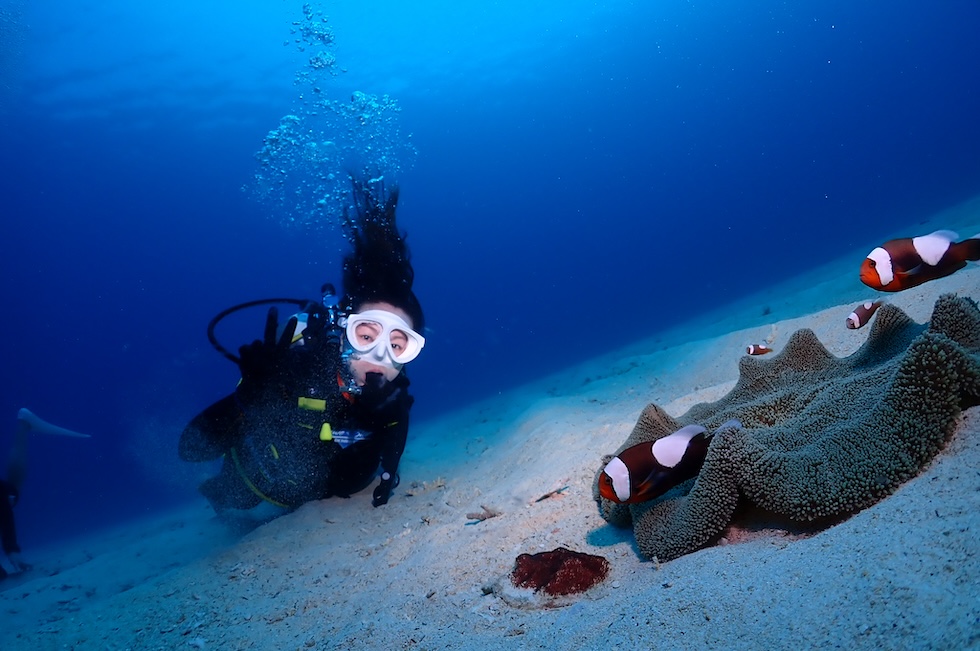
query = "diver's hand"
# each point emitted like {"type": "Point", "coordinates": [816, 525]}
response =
{"type": "Point", "coordinates": [261, 360]}
{"type": "Point", "coordinates": [383, 491]}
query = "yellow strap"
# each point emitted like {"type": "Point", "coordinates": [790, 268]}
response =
{"type": "Point", "coordinates": [252, 487]}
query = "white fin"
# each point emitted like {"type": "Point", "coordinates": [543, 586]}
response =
{"type": "Point", "coordinates": [952, 236]}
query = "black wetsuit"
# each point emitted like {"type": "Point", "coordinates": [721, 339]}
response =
{"type": "Point", "coordinates": [277, 447]}
{"type": "Point", "coordinates": [8, 533]}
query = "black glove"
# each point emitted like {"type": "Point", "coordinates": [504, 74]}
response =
{"type": "Point", "coordinates": [384, 489]}
{"type": "Point", "coordinates": [261, 361]}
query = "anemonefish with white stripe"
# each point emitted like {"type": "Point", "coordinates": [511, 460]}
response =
{"type": "Point", "coordinates": [643, 472]}
{"type": "Point", "coordinates": [862, 314]}
{"type": "Point", "coordinates": [910, 261]}
{"type": "Point", "coordinates": [757, 349]}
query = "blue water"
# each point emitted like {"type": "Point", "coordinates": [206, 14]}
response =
{"type": "Point", "coordinates": [574, 176]}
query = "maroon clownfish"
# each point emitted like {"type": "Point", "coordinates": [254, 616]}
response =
{"type": "Point", "coordinates": [910, 261]}
{"type": "Point", "coordinates": [643, 472]}
{"type": "Point", "coordinates": [757, 349]}
{"type": "Point", "coordinates": [862, 314]}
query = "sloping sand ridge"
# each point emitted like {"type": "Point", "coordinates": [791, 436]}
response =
{"type": "Point", "coordinates": [418, 574]}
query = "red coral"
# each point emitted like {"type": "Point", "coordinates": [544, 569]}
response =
{"type": "Point", "coordinates": [559, 572]}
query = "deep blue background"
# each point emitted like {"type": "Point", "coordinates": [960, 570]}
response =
{"type": "Point", "coordinates": [577, 162]}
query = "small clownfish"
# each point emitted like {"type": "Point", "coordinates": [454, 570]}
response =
{"type": "Point", "coordinates": [646, 471]}
{"type": "Point", "coordinates": [862, 314]}
{"type": "Point", "coordinates": [757, 349]}
{"type": "Point", "coordinates": [910, 261]}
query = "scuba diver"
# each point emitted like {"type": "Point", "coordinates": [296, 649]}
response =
{"type": "Point", "coordinates": [9, 494]}
{"type": "Point", "coordinates": [27, 423]}
{"type": "Point", "coordinates": [322, 406]}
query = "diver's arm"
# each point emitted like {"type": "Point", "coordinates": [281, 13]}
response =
{"type": "Point", "coordinates": [395, 436]}
{"type": "Point", "coordinates": [393, 446]}
{"type": "Point", "coordinates": [8, 533]}
{"type": "Point", "coordinates": [392, 421]}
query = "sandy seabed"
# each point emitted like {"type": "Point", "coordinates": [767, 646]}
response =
{"type": "Point", "coordinates": [420, 574]}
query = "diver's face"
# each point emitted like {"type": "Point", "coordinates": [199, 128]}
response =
{"type": "Point", "coordinates": [359, 368]}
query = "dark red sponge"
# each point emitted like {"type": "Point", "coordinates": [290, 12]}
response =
{"type": "Point", "coordinates": [559, 572]}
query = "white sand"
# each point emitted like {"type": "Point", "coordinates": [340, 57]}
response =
{"type": "Point", "coordinates": [415, 574]}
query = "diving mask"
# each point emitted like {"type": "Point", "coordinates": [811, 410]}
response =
{"type": "Point", "coordinates": [382, 337]}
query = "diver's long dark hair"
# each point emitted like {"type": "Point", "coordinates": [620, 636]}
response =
{"type": "Point", "coordinates": [378, 268]}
